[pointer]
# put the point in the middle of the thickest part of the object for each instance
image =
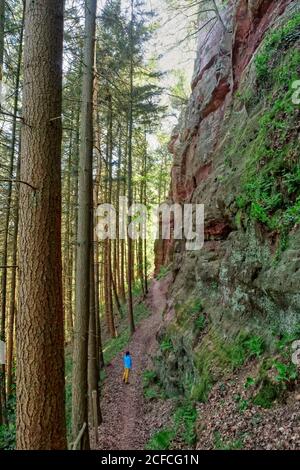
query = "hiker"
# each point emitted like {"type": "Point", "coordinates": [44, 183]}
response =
{"type": "Point", "coordinates": [127, 366]}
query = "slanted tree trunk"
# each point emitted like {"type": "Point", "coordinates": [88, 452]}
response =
{"type": "Point", "coordinates": [85, 221]}
{"type": "Point", "coordinates": [40, 335]}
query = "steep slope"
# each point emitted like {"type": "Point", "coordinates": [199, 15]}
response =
{"type": "Point", "coordinates": [236, 301]}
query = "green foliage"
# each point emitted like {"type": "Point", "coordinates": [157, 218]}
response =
{"type": "Point", "coordinates": [221, 356]}
{"type": "Point", "coordinates": [8, 437]}
{"type": "Point", "coordinates": [183, 427]}
{"type": "Point", "coordinates": [180, 91]}
{"type": "Point", "coordinates": [151, 385]}
{"type": "Point", "coordinates": [275, 41]}
{"type": "Point", "coordinates": [196, 307]}
{"type": "Point", "coordinates": [255, 346]}
{"type": "Point", "coordinates": [250, 381]}
{"type": "Point", "coordinates": [163, 272]}
{"type": "Point", "coordinates": [202, 387]}
{"type": "Point", "coordinates": [243, 404]}
{"type": "Point", "coordinates": [200, 322]}
{"type": "Point", "coordinates": [268, 393]}
{"type": "Point", "coordinates": [243, 348]}
{"type": "Point", "coordinates": [220, 444]}
{"type": "Point", "coordinates": [149, 377]}
{"type": "Point", "coordinates": [8, 432]}
{"type": "Point", "coordinates": [185, 423]}
{"type": "Point", "coordinates": [68, 393]}
{"type": "Point", "coordinates": [137, 289]}
{"type": "Point", "coordinates": [166, 345]}
{"type": "Point", "coordinates": [152, 393]}
{"type": "Point", "coordinates": [271, 181]}
{"type": "Point", "coordinates": [115, 345]}
{"type": "Point", "coordinates": [285, 372]}
{"type": "Point", "coordinates": [286, 340]}
{"type": "Point", "coordinates": [161, 440]}
{"type": "Point", "coordinates": [140, 311]}
{"type": "Point", "coordinates": [272, 178]}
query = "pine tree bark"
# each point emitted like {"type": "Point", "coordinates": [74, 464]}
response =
{"type": "Point", "coordinates": [130, 273]}
{"type": "Point", "coordinates": [85, 221]}
{"type": "Point", "coordinates": [2, 370]}
{"type": "Point", "coordinates": [68, 262]}
{"type": "Point", "coordinates": [40, 336]}
{"type": "Point", "coordinates": [2, 20]}
{"type": "Point", "coordinates": [108, 244]}
{"type": "Point", "coordinates": [93, 363]}
{"type": "Point", "coordinates": [145, 241]}
{"type": "Point", "coordinates": [12, 307]}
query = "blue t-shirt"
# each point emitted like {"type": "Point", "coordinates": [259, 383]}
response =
{"type": "Point", "coordinates": [127, 362]}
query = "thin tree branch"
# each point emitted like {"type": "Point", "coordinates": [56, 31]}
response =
{"type": "Point", "coordinates": [6, 180]}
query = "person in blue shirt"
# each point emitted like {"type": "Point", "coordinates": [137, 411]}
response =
{"type": "Point", "coordinates": [127, 361]}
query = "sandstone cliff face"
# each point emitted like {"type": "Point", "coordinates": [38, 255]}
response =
{"type": "Point", "coordinates": [235, 150]}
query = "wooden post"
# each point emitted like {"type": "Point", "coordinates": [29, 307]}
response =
{"type": "Point", "coordinates": [95, 414]}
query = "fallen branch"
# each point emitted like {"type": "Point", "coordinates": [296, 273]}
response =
{"type": "Point", "coordinates": [79, 437]}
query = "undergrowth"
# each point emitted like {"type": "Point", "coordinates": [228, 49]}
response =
{"type": "Point", "coordinates": [183, 427]}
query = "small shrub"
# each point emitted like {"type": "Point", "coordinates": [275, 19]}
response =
{"type": "Point", "coordinates": [243, 405]}
{"type": "Point", "coordinates": [151, 393]}
{"type": "Point", "coordinates": [285, 372]}
{"type": "Point", "coordinates": [149, 377]}
{"type": "Point", "coordinates": [185, 423]}
{"type": "Point", "coordinates": [200, 322]}
{"type": "Point", "coordinates": [196, 307]}
{"type": "Point", "coordinates": [166, 345]}
{"type": "Point", "coordinates": [250, 381]}
{"type": "Point", "coordinates": [268, 393]}
{"type": "Point", "coordinates": [8, 437]}
{"type": "Point", "coordinates": [255, 346]}
{"type": "Point", "coordinates": [160, 440]}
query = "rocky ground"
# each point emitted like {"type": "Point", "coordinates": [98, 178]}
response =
{"type": "Point", "coordinates": [224, 424]}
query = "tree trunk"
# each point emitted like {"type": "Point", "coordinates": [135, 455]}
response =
{"type": "Point", "coordinates": [12, 308]}
{"type": "Point", "coordinates": [85, 222]}
{"type": "Point", "coordinates": [93, 363]}
{"type": "Point", "coordinates": [68, 265]}
{"type": "Point", "coordinates": [145, 202]}
{"type": "Point", "coordinates": [2, 369]}
{"type": "Point", "coordinates": [108, 244]}
{"type": "Point", "coordinates": [2, 22]}
{"type": "Point", "coordinates": [129, 241]}
{"type": "Point", "coordinates": [40, 336]}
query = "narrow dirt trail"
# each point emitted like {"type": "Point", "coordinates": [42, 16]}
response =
{"type": "Point", "coordinates": [124, 426]}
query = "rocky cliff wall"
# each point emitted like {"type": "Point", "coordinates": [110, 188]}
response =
{"type": "Point", "coordinates": [236, 150]}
